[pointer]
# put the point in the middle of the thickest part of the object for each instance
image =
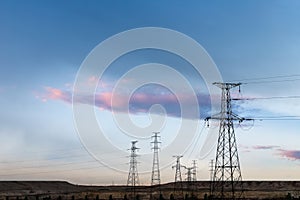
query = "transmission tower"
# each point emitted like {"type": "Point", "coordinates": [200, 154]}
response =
{"type": "Point", "coordinates": [178, 188]}
{"type": "Point", "coordinates": [227, 178]}
{"type": "Point", "coordinates": [211, 170]}
{"type": "Point", "coordinates": [194, 179]}
{"type": "Point", "coordinates": [178, 177]}
{"type": "Point", "coordinates": [189, 173]}
{"type": "Point", "coordinates": [194, 173]}
{"type": "Point", "coordinates": [155, 178]}
{"type": "Point", "coordinates": [191, 178]}
{"type": "Point", "coordinates": [133, 177]}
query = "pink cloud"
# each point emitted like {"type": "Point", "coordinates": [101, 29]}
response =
{"type": "Point", "coordinates": [258, 147]}
{"type": "Point", "coordinates": [51, 93]}
{"type": "Point", "coordinates": [265, 147]}
{"type": "Point", "coordinates": [54, 94]}
{"type": "Point", "coordinates": [92, 79]}
{"type": "Point", "coordinates": [244, 148]}
{"type": "Point", "coordinates": [290, 154]}
{"type": "Point", "coordinates": [105, 98]}
{"type": "Point", "coordinates": [140, 102]}
{"type": "Point", "coordinates": [109, 101]}
{"type": "Point", "coordinates": [150, 99]}
{"type": "Point", "coordinates": [248, 149]}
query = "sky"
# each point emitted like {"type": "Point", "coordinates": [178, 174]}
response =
{"type": "Point", "coordinates": [46, 44]}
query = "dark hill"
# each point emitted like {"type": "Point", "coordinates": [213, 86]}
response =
{"type": "Point", "coordinates": [42, 190]}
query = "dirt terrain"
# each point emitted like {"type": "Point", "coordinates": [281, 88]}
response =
{"type": "Point", "coordinates": [42, 190]}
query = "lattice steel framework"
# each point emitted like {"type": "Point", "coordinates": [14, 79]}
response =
{"type": "Point", "coordinates": [189, 174]}
{"type": "Point", "coordinates": [178, 187]}
{"type": "Point", "coordinates": [133, 176]}
{"type": "Point", "coordinates": [227, 177]}
{"type": "Point", "coordinates": [194, 172]}
{"type": "Point", "coordinates": [178, 177]}
{"type": "Point", "coordinates": [155, 176]}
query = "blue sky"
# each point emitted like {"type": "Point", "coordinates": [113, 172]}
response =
{"type": "Point", "coordinates": [43, 44]}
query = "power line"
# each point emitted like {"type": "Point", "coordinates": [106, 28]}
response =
{"type": "Point", "coordinates": [271, 81]}
{"type": "Point", "coordinates": [283, 117]}
{"type": "Point", "coordinates": [52, 171]}
{"type": "Point", "coordinates": [262, 119]}
{"type": "Point", "coordinates": [196, 141]}
{"type": "Point", "coordinates": [265, 78]}
{"type": "Point", "coordinates": [50, 165]}
{"type": "Point", "coordinates": [49, 159]}
{"type": "Point", "coordinates": [258, 98]}
{"type": "Point", "coordinates": [60, 151]}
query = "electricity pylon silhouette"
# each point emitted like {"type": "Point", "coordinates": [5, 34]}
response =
{"type": "Point", "coordinates": [155, 177]}
{"type": "Point", "coordinates": [227, 178]}
{"type": "Point", "coordinates": [194, 173]}
{"type": "Point", "coordinates": [188, 173]}
{"type": "Point", "coordinates": [133, 177]}
{"type": "Point", "coordinates": [211, 170]}
{"type": "Point", "coordinates": [194, 178]}
{"type": "Point", "coordinates": [190, 179]}
{"type": "Point", "coordinates": [178, 178]}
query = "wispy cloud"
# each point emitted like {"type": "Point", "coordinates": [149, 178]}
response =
{"type": "Point", "coordinates": [51, 93]}
{"type": "Point", "coordinates": [278, 151]}
{"type": "Point", "coordinates": [267, 107]}
{"type": "Point", "coordinates": [259, 147]}
{"type": "Point", "coordinates": [139, 102]}
{"type": "Point", "coordinates": [265, 147]}
{"type": "Point", "coordinates": [290, 154]}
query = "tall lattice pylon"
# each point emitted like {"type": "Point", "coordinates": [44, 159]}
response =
{"type": "Point", "coordinates": [178, 188]}
{"type": "Point", "coordinates": [227, 178]}
{"type": "Point", "coordinates": [133, 176]}
{"type": "Point", "coordinates": [155, 192]}
{"type": "Point", "coordinates": [155, 176]}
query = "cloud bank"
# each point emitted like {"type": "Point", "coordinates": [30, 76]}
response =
{"type": "Point", "coordinates": [290, 154]}
{"type": "Point", "coordinates": [293, 155]}
{"type": "Point", "coordinates": [140, 101]}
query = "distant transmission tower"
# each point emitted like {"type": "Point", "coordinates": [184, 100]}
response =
{"type": "Point", "coordinates": [191, 178]}
{"type": "Point", "coordinates": [227, 178]}
{"type": "Point", "coordinates": [178, 179]}
{"type": "Point", "coordinates": [155, 178]}
{"type": "Point", "coordinates": [194, 173]}
{"type": "Point", "coordinates": [133, 177]}
{"type": "Point", "coordinates": [189, 173]}
{"type": "Point", "coordinates": [194, 178]}
{"type": "Point", "coordinates": [211, 170]}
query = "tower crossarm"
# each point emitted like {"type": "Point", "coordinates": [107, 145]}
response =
{"type": "Point", "coordinates": [231, 116]}
{"type": "Point", "coordinates": [227, 86]}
